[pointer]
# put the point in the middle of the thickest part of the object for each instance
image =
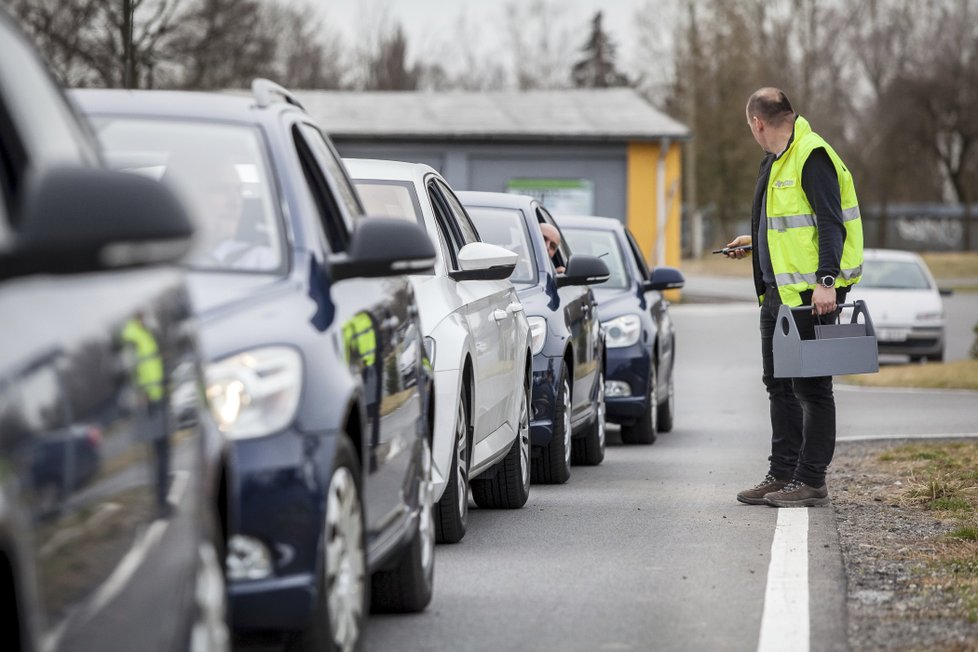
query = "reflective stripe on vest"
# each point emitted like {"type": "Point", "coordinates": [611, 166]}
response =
{"type": "Point", "coordinates": [792, 224]}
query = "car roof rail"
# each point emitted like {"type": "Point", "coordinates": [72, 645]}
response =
{"type": "Point", "coordinates": [265, 92]}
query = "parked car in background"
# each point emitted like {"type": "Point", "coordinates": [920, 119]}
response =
{"type": "Point", "coordinates": [567, 422]}
{"type": "Point", "coordinates": [478, 342]}
{"type": "Point", "coordinates": [314, 359]}
{"type": "Point", "coordinates": [108, 536]}
{"type": "Point", "coordinates": [640, 338]}
{"type": "Point", "coordinates": [904, 302]}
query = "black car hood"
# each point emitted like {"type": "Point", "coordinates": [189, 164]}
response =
{"type": "Point", "coordinates": [614, 302]}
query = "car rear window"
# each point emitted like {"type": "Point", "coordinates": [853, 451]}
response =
{"type": "Point", "coordinates": [389, 199]}
{"type": "Point", "coordinates": [220, 172]}
{"type": "Point", "coordinates": [894, 274]}
{"type": "Point", "coordinates": [604, 245]}
{"type": "Point", "coordinates": [505, 227]}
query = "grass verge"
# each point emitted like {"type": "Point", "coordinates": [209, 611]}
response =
{"type": "Point", "coordinates": [960, 374]}
{"type": "Point", "coordinates": [941, 479]}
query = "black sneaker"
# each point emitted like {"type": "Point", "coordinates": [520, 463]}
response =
{"type": "Point", "coordinates": [798, 494]}
{"type": "Point", "coordinates": [755, 495]}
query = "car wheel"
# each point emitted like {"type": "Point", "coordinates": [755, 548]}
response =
{"type": "Point", "coordinates": [452, 511]}
{"type": "Point", "coordinates": [936, 357]}
{"type": "Point", "coordinates": [509, 488]}
{"type": "Point", "coordinates": [553, 464]}
{"type": "Point", "coordinates": [667, 408]}
{"type": "Point", "coordinates": [408, 587]}
{"type": "Point", "coordinates": [589, 450]}
{"type": "Point", "coordinates": [644, 431]}
{"type": "Point", "coordinates": [337, 620]}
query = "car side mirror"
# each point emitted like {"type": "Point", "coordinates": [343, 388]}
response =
{"type": "Point", "coordinates": [583, 270]}
{"type": "Point", "coordinates": [481, 261]}
{"type": "Point", "coordinates": [945, 292]}
{"type": "Point", "coordinates": [664, 278]}
{"type": "Point", "coordinates": [77, 219]}
{"type": "Point", "coordinates": [384, 246]}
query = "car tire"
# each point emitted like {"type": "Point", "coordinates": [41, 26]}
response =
{"type": "Point", "coordinates": [344, 581]}
{"type": "Point", "coordinates": [408, 587]}
{"type": "Point", "coordinates": [554, 462]}
{"type": "Point", "coordinates": [936, 357]}
{"type": "Point", "coordinates": [509, 488]}
{"type": "Point", "coordinates": [667, 408]}
{"type": "Point", "coordinates": [645, 430]}
{"type": "Point", "coordinates": [589, 450]}
{"type": "Point", "coordinates": [452, 511]}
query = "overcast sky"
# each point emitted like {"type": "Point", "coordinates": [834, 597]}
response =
{"type": "Point", "coordinates": [427, 21]}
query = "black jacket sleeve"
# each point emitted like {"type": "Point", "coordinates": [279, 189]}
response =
{"type": "Point", "coordinates": [821, 185]}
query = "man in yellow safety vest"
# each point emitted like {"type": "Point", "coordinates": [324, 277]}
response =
{"type": "Point", "coordinates": [807, 237]}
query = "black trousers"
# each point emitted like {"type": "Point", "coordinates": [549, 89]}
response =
{"type": "Point", "coordinates": [802, 409]}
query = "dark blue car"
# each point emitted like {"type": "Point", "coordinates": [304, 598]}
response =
{"type": "Point", "coordinates": [639, 333]}
{"type": "Point", "coordinates": [567, 422]}
{"type": "Point", "coordinates": [315, 359]}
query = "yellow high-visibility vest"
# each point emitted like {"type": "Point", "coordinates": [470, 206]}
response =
{"type": "Point", "coordinates": [359, 337]}
{"type": "Point", "coordinates": [149, 364]}
{"type": "Point", "coordinates": [792, 235]}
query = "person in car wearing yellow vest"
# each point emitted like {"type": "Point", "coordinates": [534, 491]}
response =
{"type": "Point", "coordinates": [806, 233]}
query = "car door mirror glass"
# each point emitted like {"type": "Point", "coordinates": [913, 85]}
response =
{"type": "Point", "coordinates": [665, 278]}
{"type": "Point", "coordinates": [584, 270]}
{"type": "Point", "coordinates": [481, 261]}
{"type": "Point", "coordinates": [384, 246]}
{"type": "Point", "coordinates": [77, 219]}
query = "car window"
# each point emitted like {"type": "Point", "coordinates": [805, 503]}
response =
{"type": "Point", "coordinates": [507, 228]}
{"type": "Point", "coordinates": [339, 182]}
{"type": "Point", "coordinates": [563, 254]}
{"type": "Point", "coordinates": [604, 245]}
{"type": "Point", "coordinates": [466, 228]}
{"type": "Point", "coordinates": [448, 229]}
{"type": "Point", "coordinates": [894, 274]}
{"type": "Point", "coordinates": [389, 199]}
{"type": "Point", "coordinates": [637, 254]}
{"type": "Point", "coordinates": [334, 225]}
{"type": "Point", "coordinates": [220, 172]}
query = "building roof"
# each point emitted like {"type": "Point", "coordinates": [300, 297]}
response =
{"type": "Point", "coordinates": [619, 114]}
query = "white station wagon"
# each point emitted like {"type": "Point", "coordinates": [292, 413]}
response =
{"type": "Point", "coordinates": [478, 342]}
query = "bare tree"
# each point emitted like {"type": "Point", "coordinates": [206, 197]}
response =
{"type": "Point", "coordinates": [540, 44]}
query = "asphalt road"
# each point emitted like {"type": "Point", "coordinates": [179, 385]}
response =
{"type": "Point", "coordinates": [650, 550]}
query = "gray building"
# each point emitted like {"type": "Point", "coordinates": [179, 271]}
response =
{"type": "Point", "coordinates": [601, 152]}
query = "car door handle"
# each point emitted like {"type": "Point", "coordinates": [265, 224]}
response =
{"type": "Point", "coordinates": [515, 307]}
{"type": "Point", "coordinates": [499, 315]}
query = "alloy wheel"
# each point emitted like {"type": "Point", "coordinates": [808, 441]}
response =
{"type": "Point", "coordinates": [601, 411]}
{"type": "Point", "coordinates": [461, 457]}
{"type": "Point", "coordinates": [524, 436]}
{"type": "Point", "coordinates": [566, 398]}
{"type": "Point", "coordinates": [344, 559]}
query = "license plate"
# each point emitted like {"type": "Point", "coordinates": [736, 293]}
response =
{"type": "Point", "coordinates": [892, 334]}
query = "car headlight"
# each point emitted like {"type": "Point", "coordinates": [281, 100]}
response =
{"type": "Point", "coordinates": [622, 331]}
{"type": "Point", "coordinates": [931, 315]}
{"type": "Point", "coordinates": [538, 333]}
{"type": "Point", "coordinates": [255, 393]}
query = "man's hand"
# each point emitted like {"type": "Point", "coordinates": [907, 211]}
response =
{"type": "Point", "coordinates": [823, 300]}
{"type": "Point", "coordinates": [739, 241]}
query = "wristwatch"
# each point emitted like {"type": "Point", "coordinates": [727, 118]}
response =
{"type": "Point", "coordinates": [827, 281]}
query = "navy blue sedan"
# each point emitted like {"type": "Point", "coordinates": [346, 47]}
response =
{"type": "Point", "coordinates": [315, 359]}
{"type": "Point", "coordinates": [567, 420]}
{"type": "Point", "coordinates": [640, 336]}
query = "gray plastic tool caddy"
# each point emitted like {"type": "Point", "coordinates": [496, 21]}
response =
{"type": "Point", "coordinates": [838, 348]}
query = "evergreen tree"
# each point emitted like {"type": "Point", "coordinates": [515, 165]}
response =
{"type": "Point", "coordinates": [597, 68]}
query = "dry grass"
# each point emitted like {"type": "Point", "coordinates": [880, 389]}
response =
{"type": "Point", "coordinates": [942, 479]}
{"type": "Point", "coordinates": [952, 264]}
{"type": "Point", "coordinates": [960, 374]}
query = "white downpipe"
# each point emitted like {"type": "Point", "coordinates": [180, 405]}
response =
{"type": "Point", "coordinates": [660, 204]}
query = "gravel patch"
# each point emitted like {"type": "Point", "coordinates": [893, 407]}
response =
{"type": "Point", "coordinates": [904, 593]}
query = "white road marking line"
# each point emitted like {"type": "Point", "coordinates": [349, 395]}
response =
{"type": "Point", "coordinates": [845, 387]}
{"type": "Point", "coordinates": [909, 435]}
{"type": "Point", "coordinates": [784, 624]}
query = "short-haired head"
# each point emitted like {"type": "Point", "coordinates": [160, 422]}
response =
{"type": "Point", "coordinates": [770, 105]}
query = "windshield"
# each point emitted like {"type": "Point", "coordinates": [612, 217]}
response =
{"type": "Point", "coordinates": [220, 173]}
{"type": "Point", "coordinates": [894, 274]}
{"type": "Point", "coordinates": [389, 199]}
{"type": "Point", "coordinates": [604, 245]}
{"type": "Point", "coordinates": [506, 228]}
